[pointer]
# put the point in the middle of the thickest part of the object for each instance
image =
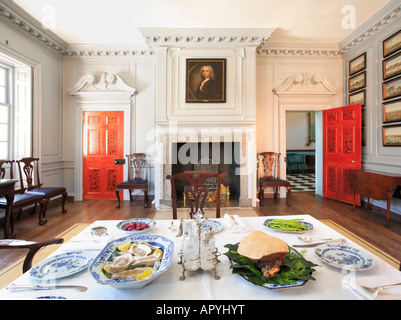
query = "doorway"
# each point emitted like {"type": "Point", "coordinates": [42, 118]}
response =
{"type": "Point", "coordinates": [301, 150]}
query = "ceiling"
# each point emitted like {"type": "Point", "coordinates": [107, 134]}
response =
{"type": "Point", "coordinates": [117, 21]}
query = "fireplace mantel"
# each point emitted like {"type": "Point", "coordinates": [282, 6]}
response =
{"type": "Point", "coordinates": [178, 121]}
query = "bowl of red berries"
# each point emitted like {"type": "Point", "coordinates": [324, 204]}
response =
{"type": "Point", "coordinates": [136, 225]}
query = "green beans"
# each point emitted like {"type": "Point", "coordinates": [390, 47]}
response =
{"type": "Point", "coordinates": [287, 225]}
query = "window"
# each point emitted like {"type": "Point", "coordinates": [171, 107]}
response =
{"type": "Point", "coordinates": [15, 109]}
{"type": "Point", "coordinates": [5, 106]}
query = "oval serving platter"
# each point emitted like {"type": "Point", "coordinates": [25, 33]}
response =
{"type": "Point", "coordinates": [309, 225]}
{"type": "Point", "coordinates": [273, 286]}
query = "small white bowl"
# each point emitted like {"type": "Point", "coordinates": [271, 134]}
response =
{"type": "Point", "coordinates": [96, 267]}
{"type": "Point", "coordinates": [123, 223]}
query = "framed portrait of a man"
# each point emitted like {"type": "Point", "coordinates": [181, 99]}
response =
{"type": "Point", "coordinates": [206, 80]}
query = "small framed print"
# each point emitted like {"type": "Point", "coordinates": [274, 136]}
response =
{"type": "Point", "coordinates": [357, 82]}
{"type": "Point", "coordinates": [392, 44]}
{"type": "Point", "coordinates": [357, 64]}
{"type": "Point", "coordinates": [392, 88]}
{"type": "Point", "coordinates": [392, 135]}
{"type": "Point", "coordinates": [206, 80]}
{"type": "Point", "coordinates": [357, 98]}
{"type": "Point", "coordinates": [392, 66]}
{"type": "Point", "coordinates": [392, 111]}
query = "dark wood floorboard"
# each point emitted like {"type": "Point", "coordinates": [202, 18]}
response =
{"type": "Point", "coordinates": [368, 224]}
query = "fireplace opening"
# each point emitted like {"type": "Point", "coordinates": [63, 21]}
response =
{"type": "Point", "coordinates": [217, 157]}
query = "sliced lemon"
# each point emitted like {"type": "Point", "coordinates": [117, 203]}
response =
{"type": "Point", "coordinates": [158, 251]}
{"type": "Point", "coordinates": [144, 274]}
{"type": "Point", "coordinates": [124, 246]}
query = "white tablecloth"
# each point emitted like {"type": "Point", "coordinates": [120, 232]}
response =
{"type": "Point", "coordinates": [200, 285]}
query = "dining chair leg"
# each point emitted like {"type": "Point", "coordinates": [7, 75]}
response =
{"type": "Point", "coordinates": [146, 198]}
{"type": "Point", "coordinates": [63, 209]}
{"type": "Point", "coordinates": [42, 213]}
{"type": "Point", "coordinates": [288, 195]}
{"type": "Point", "coordinates": [118, 198]}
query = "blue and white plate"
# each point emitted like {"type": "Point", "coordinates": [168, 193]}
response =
{"type": "Point", "coordinates": [309, 225]}
{"type": "Point", "coordinates": [59, 266]}
{"type": "Point", "coordinates": [214, 224]}
{"type": "Point", "coordinates": [344, 257]}
{"type": "Point", "coordinates": [123, 223]}
{"type": "Point", "coordinates": [96, 267]}
{"type": "Point", "coordinates": [273, 286]}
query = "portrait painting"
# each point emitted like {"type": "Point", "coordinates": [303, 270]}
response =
{"type": "Point", "coordinates": [206, 80]}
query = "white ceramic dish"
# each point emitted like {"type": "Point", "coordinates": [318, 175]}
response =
{"type": "Point", "coordinates": [123, 223]}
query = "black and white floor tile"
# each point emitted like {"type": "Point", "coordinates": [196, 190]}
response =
{"type": "Point", "coordinates": [302, 182]}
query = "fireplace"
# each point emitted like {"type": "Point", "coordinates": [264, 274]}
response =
{"type": "Point", "coordinates": [216, 157]}
{"type": "Point", "coordinates": [218, 149]}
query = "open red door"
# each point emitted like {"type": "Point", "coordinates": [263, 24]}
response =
{"type": "Point", "coordinates": [342, 150]}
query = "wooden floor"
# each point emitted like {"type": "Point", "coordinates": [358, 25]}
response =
{"type": "Point", "coordinates": [365, 223]}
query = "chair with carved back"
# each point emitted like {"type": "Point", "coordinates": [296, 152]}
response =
{"type": "Point", "coordinates": [32, 246]}
{"type": "Point", "coordinates": [269, 175]}
{"type": "Point", "coordinates": [196, 190]}
{"type": "Point", "coordinates": [21, 199]}
{"type": "Point", "coordinates": [137, 177]}
{"type": "Point", "coordinates": [29, 173]}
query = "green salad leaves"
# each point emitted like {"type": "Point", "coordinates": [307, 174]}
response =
{"type": "Point", "coordinates": [295, 267]}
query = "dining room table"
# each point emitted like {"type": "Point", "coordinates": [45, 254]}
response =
{"type": "Point", "coordinates": [331, 282]}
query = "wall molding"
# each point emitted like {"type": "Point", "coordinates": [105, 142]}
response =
{"type": "Point", "coordinates": [371, 27]}
{"type": "Point", "coordinates": [28, 26]}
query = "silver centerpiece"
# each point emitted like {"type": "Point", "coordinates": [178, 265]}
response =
{"type": "Point", "coordinates": [198, 247]}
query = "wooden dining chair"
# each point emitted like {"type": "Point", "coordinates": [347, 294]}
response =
{"type": "Point", "coordinates": [29, 172]}
{"type": "Point", "coordinates": [33, 247]}
{"type": "Point", "coordinates": [21, 199]}
{"type": "Point", "coordinates": [269, 175]}
{"type": "Point", "coordinates": [137, 177]}
{"type": "Point", "coordinates": [196, 190]}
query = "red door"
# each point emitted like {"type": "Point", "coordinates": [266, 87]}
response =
{"type": "Point", "coordinates": [342, 150]}
{"type": "Point", "coordinates": [103, 142]}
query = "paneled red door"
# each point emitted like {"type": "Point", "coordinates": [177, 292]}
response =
{"type": "Point", "coordinates": [103, 142]}
{"type": "Point", "coordinates": [342, 150]}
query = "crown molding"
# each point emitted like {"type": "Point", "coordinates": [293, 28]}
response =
{"type": "Point", "coordinates": [387, 15]}
{"type": "Point", "coordinates": [299, 49]}
{"type": "Point", "coordinates": [108, 50]}
{"type": "Point", "coordinates": [25, 24]}
{"type": "Point", "coordinates": [217, 37]}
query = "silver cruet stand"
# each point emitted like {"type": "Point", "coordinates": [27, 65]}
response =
{"type": "Point", "coordinates": [198, 247]}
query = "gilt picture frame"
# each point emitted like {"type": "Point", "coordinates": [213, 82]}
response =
{"type": "Point", "coordinates": [392, 44]}
{"type": "Point", "coordinates": [392, 88]}
{"type": "Point", "coordinates": [357, 98]}
{"type": "Point", "coordinates": [205, 81]}
{"type": "Point", "coordinates": [357, 82]}
{"type": "Point", "coordinates": [357, 64]}
{"type": "Point", "coordinates": [392, 66]}
{"type": "Point", "coordinates": [392, 135]}
{"type": "Point", "coordinates": [392, 111]}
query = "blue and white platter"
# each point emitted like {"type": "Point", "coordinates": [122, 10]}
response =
{"type": "Point", "coordinates": [59, 266]}
{"type": "Point", "coordinates": [309, 225]}
{"type": "Point", "coordinates": [273, 286]}
{"type": "Point", "coordinates": [148, 221]}
{"type": "Point", "coordinates": [344, 257]}
{"type": "Point", "coordinates": [96, 267]}
{"type": "Point", "coordinates": [215, 225]}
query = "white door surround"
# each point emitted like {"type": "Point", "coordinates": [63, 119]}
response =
{"type": "Point", "coordinates": [109, 93]}
{"type": "Point", "coordinates": [302, 92]}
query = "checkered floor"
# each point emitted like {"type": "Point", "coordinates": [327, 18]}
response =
{"type": "Point", "coordinates": [302, 182]}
